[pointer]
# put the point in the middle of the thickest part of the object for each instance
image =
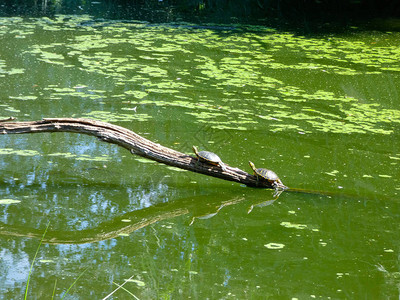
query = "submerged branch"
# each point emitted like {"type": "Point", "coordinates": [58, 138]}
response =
{"type": "Point", "coordinates": [135, 143]}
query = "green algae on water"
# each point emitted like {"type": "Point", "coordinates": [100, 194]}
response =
{"type": "Point", "coordinates": [191, 68]}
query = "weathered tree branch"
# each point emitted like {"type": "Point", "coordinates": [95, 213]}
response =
{"type": "Point", "coordinates": [133, 142]}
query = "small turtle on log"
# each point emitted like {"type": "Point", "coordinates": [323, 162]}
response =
{"type": "Point", "coordinates": [209, 157]}
{"type": "Point", "coordinates": [268, 175]}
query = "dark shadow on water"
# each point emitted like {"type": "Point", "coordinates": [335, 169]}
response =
{"type": "Point", "coordinates": [312, 17]}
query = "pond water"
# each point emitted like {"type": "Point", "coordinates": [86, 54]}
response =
{"type": "Point", "coordinates": [322, 111]}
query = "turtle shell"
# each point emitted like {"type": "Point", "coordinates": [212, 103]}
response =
{"type": "Point", "coordinates": [266, 174]}
{"type": "Point", "coordinates": [209, 157]}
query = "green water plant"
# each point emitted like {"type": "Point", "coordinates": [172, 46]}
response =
{"type": "Point", "coordinates": [55, 283]}
{"type": "Point", "coordinates": [33, 261]}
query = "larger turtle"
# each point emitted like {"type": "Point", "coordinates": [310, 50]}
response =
{"type": "Point", "coordinates": [267, 175]}
{"type": "Point", "coordinates": [209, 157]}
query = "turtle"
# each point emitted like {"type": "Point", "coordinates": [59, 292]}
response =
{"type": "Point", "coordinates": [268, 175]}
{"type": "Point", "coordinates": [209, 157]}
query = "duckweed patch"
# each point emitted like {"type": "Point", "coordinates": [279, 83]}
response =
{"type": "Point", "coordinates": [8, 201]}
{"type": "Point", "coordinates": [230, 77]}
{"type": "Point", "coordinates": [274, 246]}
{"type": "Point", "coordinates": [293, 225]}
{"type": "Point", "coordinates": [81, 157]}
{"type": "Point", "coordinates": [116, 117]}
{"type": "Point", "coordinates": [10, 151]}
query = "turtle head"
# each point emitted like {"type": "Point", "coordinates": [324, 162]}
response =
{"type": "Point", "coordinates": [195, 150]}
{"type": "Point", "coordinates": [252, 166]}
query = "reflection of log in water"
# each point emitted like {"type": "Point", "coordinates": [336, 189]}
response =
{"type": "Point", "coordinates": [121, 225]}
{"type": "Point", "coordinates": [135, 143]}
{"type": "Point", "coordinates": [138, 219]}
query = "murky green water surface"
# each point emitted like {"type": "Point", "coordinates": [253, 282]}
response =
{"type": "Point", "coordinates": [321, 111]}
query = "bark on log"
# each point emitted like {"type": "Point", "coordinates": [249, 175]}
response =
{"type": "Point", "coordinates": [133, 142]}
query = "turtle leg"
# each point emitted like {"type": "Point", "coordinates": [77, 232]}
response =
{"type": "Point", "coordinates": [258, 179]}
{"type": "Point", "coordinates": [279, 185]}
{"type": "Point", "coordinates": [223, 166]}
{"type": "Point", "coordinates": [275, 185]}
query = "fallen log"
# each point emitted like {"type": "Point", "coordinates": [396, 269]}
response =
{"type": "Point", "coordinates": [133, 142]}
